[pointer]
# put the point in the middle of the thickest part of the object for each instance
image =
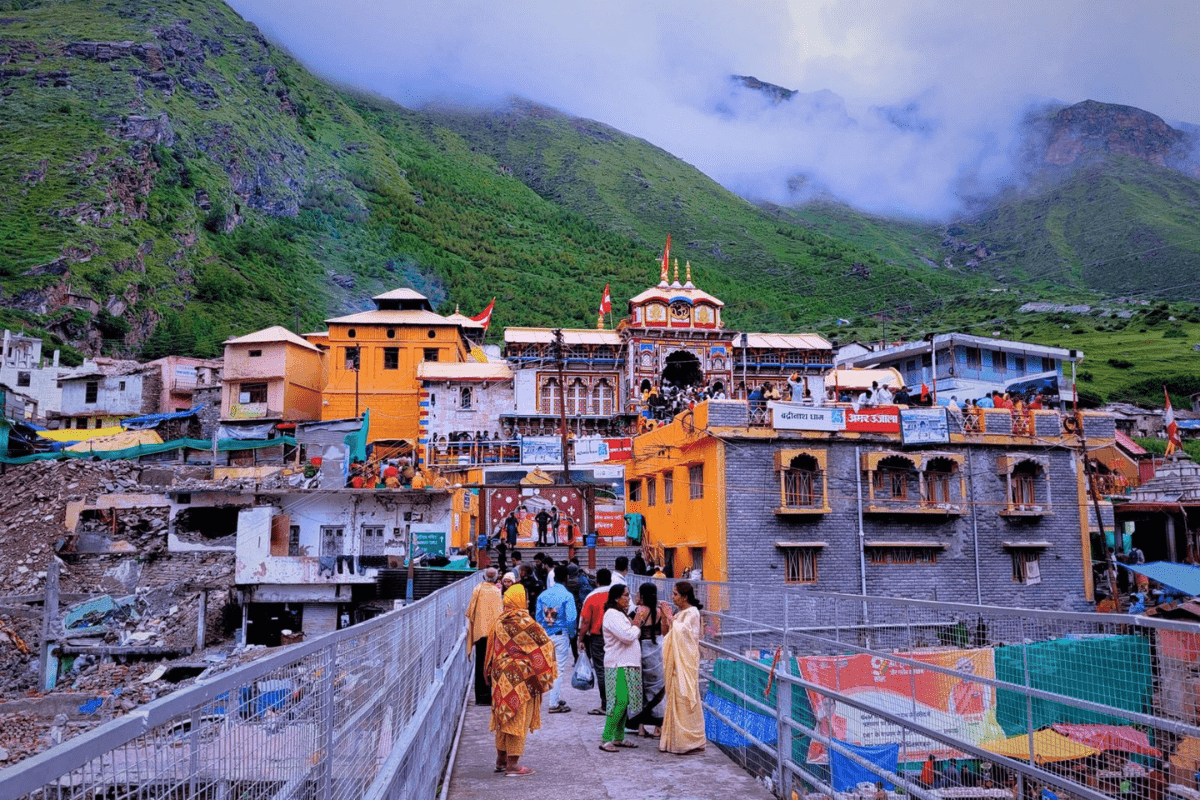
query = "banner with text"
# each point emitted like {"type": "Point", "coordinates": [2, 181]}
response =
{"type": "Point", "coordinates": [924, 426]}
{"type": "Point", "coordinates": [796, 417]}
{"type": "Point", "coordinates": [957, 706]}
{"type": "Point", "coordinates": [885, 419]}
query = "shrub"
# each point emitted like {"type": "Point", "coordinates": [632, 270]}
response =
{"type": "Point", "coordinates": [1120, 363]}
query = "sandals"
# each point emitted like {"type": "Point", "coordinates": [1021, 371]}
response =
{"type": "Point", "coordinates": [625, 743]}
{"type": "Point", "coordinates": [608, 747]}
{"type": "Point", "coordinates": [500, 768]}
{"type": "Point", "coordinates": [597, 712]}
{"type": "Point", "coordinates": [561, 708]}
{"type": "Point", "coordinates": [519, 772]}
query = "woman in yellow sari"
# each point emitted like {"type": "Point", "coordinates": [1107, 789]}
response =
{"type": "Point", "coordinates": [683, 714]}
{"type": "Point", "coordinates": [521, 667]}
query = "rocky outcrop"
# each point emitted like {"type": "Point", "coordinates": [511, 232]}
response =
{"type": "Point", "coordinates": [151, 130]}
{"type": "Point", "coordinates": [1092, 127]}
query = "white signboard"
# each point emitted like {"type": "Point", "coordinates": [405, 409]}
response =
{"type": "Point", "coordinates": [591, 450]}
{"type": "Point", "coordinates": [924, 426]}
{"type": "Point", "coordinates": [796, 417]}
{"type": "Point", "coordinates": [541, 450]}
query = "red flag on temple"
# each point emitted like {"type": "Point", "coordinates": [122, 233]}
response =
{"type": "Point", "coordinates": [1173, 441]}
{"type": "Point", "coordinates": [606, 301]}
{"type": "Point", "coordinates": [666, 265]}
{"type": "Point", "coordinates": [486, 315]}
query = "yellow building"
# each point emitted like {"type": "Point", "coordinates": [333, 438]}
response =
{"type": "Point", "coordinates": [271, 374]}
{"type": "Point", "coordinates": [373, 357]}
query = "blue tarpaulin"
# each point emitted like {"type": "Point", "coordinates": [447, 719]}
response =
{"type": "Point", "coordinates": [847, 775]}
{"type": "Point", "coordinates": [760, 726]}
{"type": "Point", "coordinates": [152, 420]}
{"type": "Point", "coordinates": [1181, 577]}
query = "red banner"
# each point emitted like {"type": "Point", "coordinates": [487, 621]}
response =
{"type": "Point", "coordinates": [885, 419]}
{"type": "Point", "coordinates": [619, 449]}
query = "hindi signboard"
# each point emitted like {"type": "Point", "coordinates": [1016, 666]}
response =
{"type": "Point", "coordinates": [797, 417]}
{"type": "Point", "coordinates": [924, 426]}
{"type": "Point", "coordinates": [431, 539]}
{"type": "Point", "coordinates": [885, 419]}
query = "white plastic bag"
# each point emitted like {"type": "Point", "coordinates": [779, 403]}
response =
{"type": "Point", "coordinates": [583, 677]}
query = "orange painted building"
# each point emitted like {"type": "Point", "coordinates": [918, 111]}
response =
{"type": "Point", "coordinates": [271, 374]}
{"type": "Point", "coordinates": [675, 480]}
{"type": "Point", "coordinates": [373, 357]}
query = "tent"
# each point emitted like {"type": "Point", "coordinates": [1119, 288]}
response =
{"type": "Point", "coordinates": [1181, 577]}
{"type": "Point", "coordinates": [1109, 737]}
{"type": "Point", "coordinates": [1048, 746]}
{"type": "Point", "coordinates": [117, 441]}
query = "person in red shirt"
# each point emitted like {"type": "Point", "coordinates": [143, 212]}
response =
{"type": "Point", "coordinates": [591, 633]}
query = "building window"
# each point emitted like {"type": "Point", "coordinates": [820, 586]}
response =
{"type": "Point", "coordinates": [1020, 364]}
{"type": "Point", "coordinates": [431, 354]}
{"type": "Point", "coordinates": [669, 487]}
{"type": "Point", "coordinates": [256, 354]}
{"type": "Point", "coordinates": [697, 572]}
{"type": "Point", "coordinates": [696, 481]}
{"type": "Point", "coordinates": [391, 333]}
{"type": "Point", "coordinates": [635, 491]}
{"type": "Point", "coordinates": [938, 481]}
{"type": "Point", "coordinates": [294, 540]}
{"type": "Point", "coordinates": [894, 479]}
{"type": "Point", "coordinates": [602, 398]}
{"type": "Point", "coordinates": [391, 358]}
{"type": "Point", "coordinates": [902, 555]}
{"type": "Point", "coordinates": [1026, 566]}
{"type": "Point", "coordinates": [1024, 487]}
{"type": "Point", "coordinates": [1048, 365]}
{"type": "Point", "coordinates": [464, 398]}
{"type": "Point", "coordinates": [351, 360]}
{"type": "Point", "coordinates": [372, 540]}
{"type": "Point", "coordinates": [800, 564]}
{"type": "Point", "coordinates": [974, 357]}
{"type": "Point", "coordinates": [651, 492]}
{"type": "Point", "coordinates": [1000, 361]}
{"type": "Point", "coordinates": [333, 540]}
{"type": "Point", "coordinates": [23, 379]}
{"type": "Point", "coordinates": [252, 393]}
{"type": "Point", "coordinates": [121, 386]}
{"type": "Point", "coordinates": [81, 423]}
{"type": "Point", "coordinates": [548, 397]}
{"type": "Point", "coordinates": [577, 398]}
{"type": "Point", "coordinates": [352, 333]}
{"type": "Point", "coordinates": [91, 391]}
{"type": "Point", "coordinates": [802, 483]}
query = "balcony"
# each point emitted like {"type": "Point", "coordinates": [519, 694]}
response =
{"type": "Point", "coordinates": [919, 507]}
{"type": "Point", "coordinates": [474, 454]}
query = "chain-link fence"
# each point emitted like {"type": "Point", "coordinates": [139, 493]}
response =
{"type": "Point", "coordinates": [833, 694]}
{"type": "Point", "coordinates": [363, 712]}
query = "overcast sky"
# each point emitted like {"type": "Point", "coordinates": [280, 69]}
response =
{"type": "Point", "coordinates": [659, 70]}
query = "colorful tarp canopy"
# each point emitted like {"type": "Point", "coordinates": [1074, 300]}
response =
{"type": "Point", "coordinates": [1180, 577]}
{"type": "Point", "coordinates": [1110, 737]}
{"type": "Point", "coordinates": [118, 441]}
{"type": "Point", "coordinates": [1048, 746]}
{"type": "Point", "coordinates": [79, 434]}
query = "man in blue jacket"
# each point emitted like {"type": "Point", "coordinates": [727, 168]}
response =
{"type": "Point", "coordinates": [556, 614]}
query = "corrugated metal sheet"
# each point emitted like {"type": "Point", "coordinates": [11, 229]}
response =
{"type": "Point", "coordinates": [319, 618]}
{"type": "Point", "coordinates": [787, 341]}
{"type": "Point", "coordinates": [276, 333]}
{"type": "Point", "coordinates": [464, 371]}
{"type": "Point", "coordinates": [570, 336]}
{"type": "Point", "coordinates": [394, 317]}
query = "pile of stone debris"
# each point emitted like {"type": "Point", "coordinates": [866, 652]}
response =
{"type": "Point", "coordinates": [159, 614]}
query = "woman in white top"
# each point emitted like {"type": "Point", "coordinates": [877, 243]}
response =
{"type": "Point", "coordinates": [622, 668]}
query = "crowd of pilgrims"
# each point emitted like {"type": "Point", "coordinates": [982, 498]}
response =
{"type": "Point", "coordinates": [533, 628]}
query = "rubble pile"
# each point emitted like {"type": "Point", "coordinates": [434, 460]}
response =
{"type": "Point", "coordinates": [22, 734]}
{"type": "Point", "coordinates": [20, 636]}
{"type": "Point", "coordinates": [33, 500]}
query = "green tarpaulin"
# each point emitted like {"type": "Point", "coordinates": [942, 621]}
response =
{"type": "Point", "coordinates": [223, 446]}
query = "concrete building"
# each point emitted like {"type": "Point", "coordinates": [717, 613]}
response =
{"type": "Point", "coordinates": [103, 392]}
{"type": "Point", "coordinates": [271, 374]}
{"type": "Point", "coordinates": [970, 367]}
{"type": "Point", "coordinates": [23, 369]}
{"type": "Point", "coordinates": [306, 558]}
{"type": "Point", "coordinates": [889, 501]}
{"type": "Point", "coordinates": [180, 376]}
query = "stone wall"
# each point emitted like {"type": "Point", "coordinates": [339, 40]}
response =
{"type": "Point", "coordinates": [752, 489]}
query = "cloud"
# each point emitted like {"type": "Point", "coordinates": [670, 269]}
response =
{"type": "Point", "coordinates": [962, 74]}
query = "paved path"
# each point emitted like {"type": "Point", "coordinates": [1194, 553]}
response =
{"type": "Point", "coordinates": [570, 765]}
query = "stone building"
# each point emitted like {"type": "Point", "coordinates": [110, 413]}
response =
{"type": "Point", "coordinates": [886, 501]}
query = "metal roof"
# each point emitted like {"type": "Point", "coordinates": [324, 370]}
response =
{"type": "Point", "coordinates": [670, 294]}
{"type": "Point", "coordinates": [787, 341]}
{"type": "Point", "coordinates": [394, 317]}
{"type": "Point", "coordinates": [570, 336]}
{"type": "Point", "coordinates": [400, 294]}
{"type": "Point", "coordinates": [463, 371]}
{"type": "Point", "coordinates": [464, 320]}
{"type": "Point", "coordinates": [863, 378]}
{"type": "Point", "coordinates": [276, 333]}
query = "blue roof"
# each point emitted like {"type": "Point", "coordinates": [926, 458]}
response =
{"type": "Point", "coordinates": [150, 420]}
{"type": "Point", "coordinates": [1180, 577]}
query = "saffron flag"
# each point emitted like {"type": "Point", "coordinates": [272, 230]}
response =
{"type": "Point", "coordinates": [666, 265]}
{"type": "Point", "coordinates": [924, 392]}
{"type": "Point", "coordinates": [486, 315]}
{"type": "Point", "coordinates": [1173, 441]}
{"type": "Point", "coordinates": [606, 301]}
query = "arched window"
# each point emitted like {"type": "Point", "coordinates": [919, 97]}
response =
{"type": "Point", "coordinates": [577, 397]}
{"type": "Point", "coordinates": [895, 479]}
{"type": "Point", "coordinates": [602, 398]}
{"type": "Point", "coordinates": [464, 397]}
{"type": "Point", "coordinates": [938, 481]}
{"type": "Point", "coordinates": [1024, 485]}
{"type": "Point", "coordinates": [802, 483]}
{"type": "Point", "coordinates": [548, 401]}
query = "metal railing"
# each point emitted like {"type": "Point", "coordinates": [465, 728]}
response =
{"type": "Point", "coordinates": [797, 679]}
{"type": "Point", "coordinates": [361, 712]}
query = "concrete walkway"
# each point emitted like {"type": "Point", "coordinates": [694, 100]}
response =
{"type": "Point", "coordinates": [570, 766]}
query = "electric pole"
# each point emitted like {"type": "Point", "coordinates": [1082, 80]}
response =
{"type": "Point", "coordinates": [562, 404]}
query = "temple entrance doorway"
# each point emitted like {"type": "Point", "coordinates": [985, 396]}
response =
{"type": "Point", "coordinates": [682, 369]}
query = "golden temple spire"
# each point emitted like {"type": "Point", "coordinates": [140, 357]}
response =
{"type": "Point", "coordinates": [677, 270]}
{"type": "Point", "coordinates": [689, 284]}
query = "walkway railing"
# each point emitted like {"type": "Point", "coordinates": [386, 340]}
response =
{"type": "Point", "coordinates": [991, 693]}
{"type": "Point", "coordinates": [362, 712]}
